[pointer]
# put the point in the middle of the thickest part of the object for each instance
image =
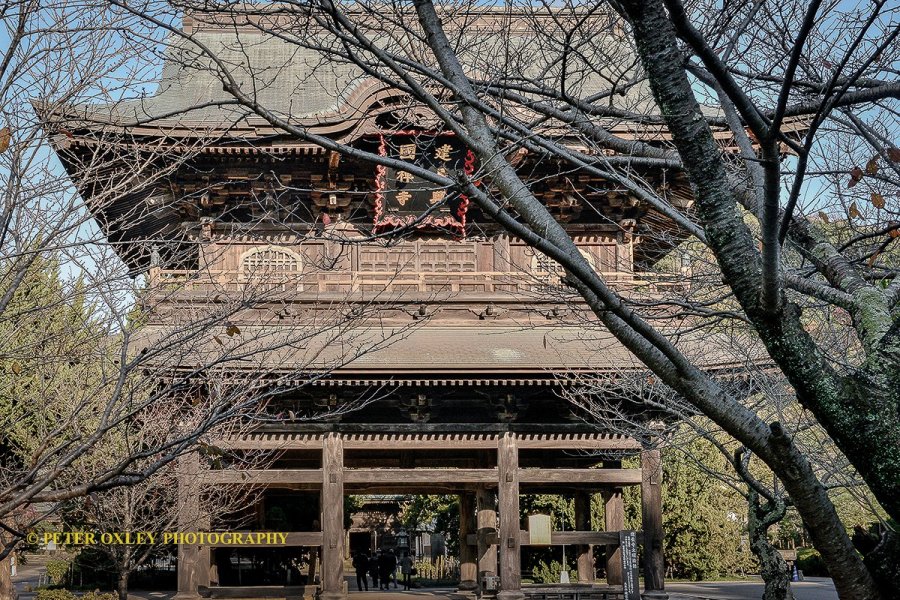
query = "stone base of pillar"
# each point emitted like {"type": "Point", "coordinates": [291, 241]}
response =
{"type": "Point", "coordinates": [655, 595]}
{"type": "Point", "coordinates": [333, 596]}
{"type": "Point", "coordinates": [186, 596]}
{"type": "Point", "coordinates": [511, 595]}
{"type": "Point", "coordinates": [467, 586]}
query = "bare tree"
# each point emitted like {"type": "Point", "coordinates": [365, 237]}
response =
{"type": "Point", "coordinates": [90, 347]}
{"type": "Point", "coordinates": [613, 91]}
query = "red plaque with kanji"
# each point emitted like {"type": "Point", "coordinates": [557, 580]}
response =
{"type": "Point", "coordinates": [403, 199]}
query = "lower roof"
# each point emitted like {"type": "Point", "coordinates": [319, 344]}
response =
{"type": "Point", "coordinates": [419, 351]}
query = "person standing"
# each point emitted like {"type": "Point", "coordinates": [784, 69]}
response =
{"type": "Point", "coordinates": [406, 569]}
{"type": "Point", "coordinates": [384, 570]}
{"type": "Point", "coordinates": [361, 564]}
{"type": "Point", "coordinates": [374, 567]}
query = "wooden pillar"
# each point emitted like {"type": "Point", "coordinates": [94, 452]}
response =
{"type": "Point", "coordinates": [583, 523]}
{"type": "Point", "coordinates": [486, 519]}
{"type": "Point", "coordinates": [508, 492]}
{"type": "Point", "coordinates": [651, 520]}
{"type": "Point", "coordinates": [333, 518]}
{"type": "Point", "coordinates": [468, 565]}
{"type": "Point", "coordinates": [614, 520]}
{"type": "Point", "coordinates": [193, 560]}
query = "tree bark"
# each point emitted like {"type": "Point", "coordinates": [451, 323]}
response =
{"type": "Point", "coordinates": [122, 584]}
{"type": "Point", "coordinates": [660, 56]}
{"type": "Point", "coordinates": [773, 568]}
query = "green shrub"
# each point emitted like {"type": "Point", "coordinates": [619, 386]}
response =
{"type": "Point", "coordinates": [810, 562]}
{"type": "Point", "coordinates": [57, 570]}
{"type": "Point", "coordinates": [544, 573]}
{"type": "Point", "coordinates": [56, 594]}
{"type": "Point", "coordinates": [95, 595]}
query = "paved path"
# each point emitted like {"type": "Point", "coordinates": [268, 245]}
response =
{"type": "Point", "coordinates": [814, 588]}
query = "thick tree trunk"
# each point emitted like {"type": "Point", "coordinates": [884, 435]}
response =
{"type": "Point", "coordinates": [734, 247]}
{"type": "Point", "coordinates": [656, 41]}
{"type": "Point", "coordinates": [772, 566]}
{"type": "Point", "coordinates": [122, 584]}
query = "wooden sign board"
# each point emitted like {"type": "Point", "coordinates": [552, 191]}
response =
{"type": "Point", "coordinates": [630, 585]}
{"type": "Point", "coordinates": [539, 530]}
{"type": "Point", "coordinates": [403, 199]}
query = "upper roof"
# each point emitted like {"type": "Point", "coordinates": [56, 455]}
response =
{"type": "Point", "coordinates": [300, 73]}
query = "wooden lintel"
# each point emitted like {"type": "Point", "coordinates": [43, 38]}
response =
{"type": "Point", "coordinates": [272, 442]}
{"type": "Point", "coordinates": [617, 477]}
{"type": "Point", "coordinates": [263, 476]}
{"type": "Point", "coordinates": [559, 442]}
{"type": "Point", "coordinates": [418, 476]}
{"type": "Point", "coordinates": [420, 442]}
{"type": "Point", "coordinates": [561, 538]}
{"type": "Point", "coordinates": [294, 539]}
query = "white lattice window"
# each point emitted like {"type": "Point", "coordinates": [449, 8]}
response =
{"type": "Point", "coordinates": [272, 265]}
{"type": "Point", "coordinates": [548, 273]}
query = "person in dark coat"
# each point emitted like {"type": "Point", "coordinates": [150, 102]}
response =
{"type": "Point", "coordinates": [387, 562]}
{"type": "Point", "coordinates": [373, 569]}
{"type": "Point", "coordinates": [361, 564]}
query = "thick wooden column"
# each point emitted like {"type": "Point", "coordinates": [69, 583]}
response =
{"type": "Point", "coordinates": [333, 518]}
{"type": "Point", "coordinates": [193, 560]}
{"type": "Point", "coordinates": [614, 520]}
{"type": "Point", "coordinates": [468, 558]}
{"type": "Point", "coordinates": [583, 523]}
{"type": "Point", "coordinates": [651, 519]}
{"type": "Point", "coordinates": [508, 492]}
{"type": "Point", "coordinates": [487, 525]}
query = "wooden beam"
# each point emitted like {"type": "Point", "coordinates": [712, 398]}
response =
{"type": "Point", "coordinates": [614, 517]}
{"type": "Point", "coordinates": [510, 540]}
{"type": "Point", "coordinates": [333, 518]}
{"type": "Point", "coordinates": [651, 521]}
{"type": "Point", "coordinates": [581, 476]}
{"type": "Point", "coordinates": [486, 524]}
{"type": "Point", "coordinates": [263, 476]}
{"type": "Point", "coordinates": [419, 476]}
{"type": "Point", "coordinates": [582, 507]}
{"type": "Point", "coordinates": [468, 566]}
{"type": "Point", "coordinates": [559, 538]}
{"type": "Point", "coordinates": [294, 539]}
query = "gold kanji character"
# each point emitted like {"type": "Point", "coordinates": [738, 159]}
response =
{"type": "Point", "coordinates": [437, 196]}
{"type": "Point", "coordinates": [442, 171]}
{"type": "Point", "coordinates": [443, 152]}
{"type": "Point", "coordinates": [403, 198]}
{"type": "Point", "coordinates": [404, 176]}
{"type": "Point", "coordinates": [408, 151]}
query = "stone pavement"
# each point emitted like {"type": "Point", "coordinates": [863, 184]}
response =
{"type": "Point", "coordinates": [814, 588]}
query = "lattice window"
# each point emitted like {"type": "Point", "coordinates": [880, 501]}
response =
{"type": "Point", "coordinates": [548, 273]}
{"type": "Point", "coordinates": [273, 265]}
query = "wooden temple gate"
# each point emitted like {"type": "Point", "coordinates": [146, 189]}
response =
{"type": "Point", "coordinates": [490, 529]}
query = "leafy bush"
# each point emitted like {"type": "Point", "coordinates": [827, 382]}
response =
{"type": "Point", "coordinates": [544, 573]}
{"type": "Point", "coordinates": [57, 570]}
{"type": "Point", "coordinates": [95, 595]}
{"type": "Point", "coordinates": [810, 562]}
{"type": "Point", "coordinates": [55, 594]}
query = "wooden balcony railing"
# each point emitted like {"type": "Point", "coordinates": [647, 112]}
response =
{"type": "Point", "coordinates": [502, 282]}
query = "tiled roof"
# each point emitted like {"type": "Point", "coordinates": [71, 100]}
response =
{"type": "Point", "coordinates": [423, 350]}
